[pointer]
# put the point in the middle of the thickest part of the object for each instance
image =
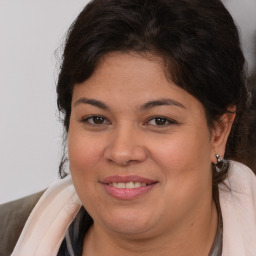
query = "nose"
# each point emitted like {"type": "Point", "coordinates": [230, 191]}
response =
{"type": "Point", "coordinates": [125, 147]}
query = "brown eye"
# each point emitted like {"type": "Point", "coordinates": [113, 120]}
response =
{"type": "Point", "coordinates": [98, 120]}
{"type": "Point", "coordinates": [160, 121]}
{"type": "Point", "coordinates": [95, 120]}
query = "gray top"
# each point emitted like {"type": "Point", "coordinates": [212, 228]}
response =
{"type": "Point", "coordinates": [216, 249]}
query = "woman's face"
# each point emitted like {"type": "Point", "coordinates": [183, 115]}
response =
{"type": "Point", "coordinates": [140, 149]}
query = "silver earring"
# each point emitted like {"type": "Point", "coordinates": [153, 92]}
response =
{"type": "Point", "coordinates": [219, 159]}
{"type": "Point", "coordinates": [221, 163]}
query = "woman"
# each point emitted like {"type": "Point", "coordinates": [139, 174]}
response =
{"type": "Point", "coordinates": [153, 96]}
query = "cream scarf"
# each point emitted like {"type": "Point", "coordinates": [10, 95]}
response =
{"type": "Point", "coordinates": [46, 227]}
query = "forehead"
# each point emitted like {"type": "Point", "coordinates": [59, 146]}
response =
{"type": "Point", "coordinates": [133, 79]}
{"type": "Point", "coordinates": [125, 71]}
{"type": "Point", "coordinates": [128, 68]}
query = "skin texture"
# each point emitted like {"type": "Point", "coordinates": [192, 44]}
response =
{"type": "Point", "coordinates": [178, 214]}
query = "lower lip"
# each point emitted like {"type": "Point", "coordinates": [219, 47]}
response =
{"type": "Point", "coordinates": [128, 193]}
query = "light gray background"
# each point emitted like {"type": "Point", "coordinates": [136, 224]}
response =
{"type": "Point", "coordinates": [30, 133]}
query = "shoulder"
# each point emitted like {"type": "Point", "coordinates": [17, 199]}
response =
{"type": "Point", "coordinates": [46, 225]}
{"type": "Point", "coordinates": [241, 179]}
{"type": "Point", "coordinates": [238, 204]}
{"type": "Point", "coordinates": [240, 184]}
{"type": "Point", "coordinates": [13, 216]}
{"type": "Point", "coordinates": [240, 169]}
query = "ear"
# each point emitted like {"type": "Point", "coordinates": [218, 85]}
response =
{"type": "Point", "coordinates": [220, 133]}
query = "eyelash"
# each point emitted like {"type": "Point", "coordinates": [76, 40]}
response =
{"type": "Point", "coordinates": [86, 120]}
{"type": "Point", "coordinates": [167, 121]}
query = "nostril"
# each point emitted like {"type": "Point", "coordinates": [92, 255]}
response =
{"type": "Point", "coordinates": [124, 153]}
{"type": "Point", "coordinates": [122, 163]}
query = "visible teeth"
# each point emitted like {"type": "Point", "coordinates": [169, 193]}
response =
{"type": "Point", "coordinates": [119, 185]}
{"type": "Point", "coordinates": [137, 184]}
{"type": "Point", "coordinates": [128, 184]}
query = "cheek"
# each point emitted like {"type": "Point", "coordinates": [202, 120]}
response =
{"type": "Point", "coordinates": [182, 149]}
{"type": "Point", "coordinates": [185, 164]}
{"type": "Point", "coordinates": [84, 153]}
{"type": "Point", "coordinates": [185, 161]}
{"type": "Point", "coordinates": [84, 158]}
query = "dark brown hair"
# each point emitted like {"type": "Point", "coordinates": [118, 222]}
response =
{"type": "Point", "coordinates": [197, 40]}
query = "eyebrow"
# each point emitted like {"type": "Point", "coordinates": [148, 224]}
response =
{"type": "Point", "coordinates": [146, 106]}
{"type": "Point", "coordinates": [93, 102]}
{"type": "Point", "coordinates": [161, 102]}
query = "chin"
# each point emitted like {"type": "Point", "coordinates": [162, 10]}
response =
{"type": "Point", "coordinates": [129, 222]}
{"type": "Point", "coordinates": [129, 228]}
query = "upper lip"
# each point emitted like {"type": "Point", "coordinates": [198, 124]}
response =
{"type": "Point", "coordinates": [126, 179]}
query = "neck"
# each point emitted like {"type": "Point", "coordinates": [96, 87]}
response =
{"type": "Point", "coordinates": [194, 237]}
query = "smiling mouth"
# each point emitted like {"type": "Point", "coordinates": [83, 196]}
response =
{"type": "Point", "coordinates": [128, 185]}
